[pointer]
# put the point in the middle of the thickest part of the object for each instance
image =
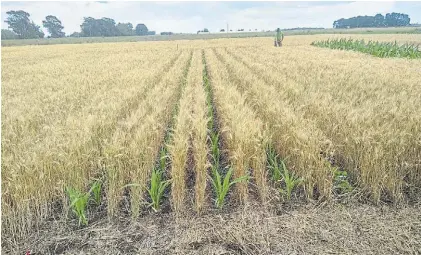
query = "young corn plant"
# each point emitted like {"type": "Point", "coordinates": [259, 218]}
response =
{"type": "Point", "coordinates": [78, 204]}
{"type": "Point", "coordinates": [290, 181]}
{"type": "Point", "coordinates": [273, 164]}
{"type": "Point", "coordinates": [79, 200]}
{"type": "Point", "coordinates": [158, 185]}
{"type": "Point", "coordinates": [215, 149]}
{"type": "Point", "coordinates": [341, 183]}
{"type": "Point", "coordinates": [157, 188]}
{"type": "Point", "coordinates": [223, 184]}
{"type": "Point", "coordinates": [96, 191]}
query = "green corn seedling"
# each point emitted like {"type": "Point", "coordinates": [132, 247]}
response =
{"type": "Point", "coordinates": [158, 185]}
{"type": "Point", "coordinates": [163, 160]}
{"type": "Point", "coordinates": [157, 188]}
{"type": "Point", "coordinates": [341, 181]}
{"type": "Point", "coordinates": [78, 203]}
{"type": "Point", "coordinates": [290, 181]}
{"type": "Point", "coordinates": [222, 186]}
{"type": "Point", "coordinates": [274, 166]}
{"type": "Point", "coordinates": [215, 149]}
{"type": "Point", "coordinates": [96, 191]}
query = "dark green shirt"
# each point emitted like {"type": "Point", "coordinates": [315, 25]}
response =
{"type": "Point", "coordinates": [279, 36]}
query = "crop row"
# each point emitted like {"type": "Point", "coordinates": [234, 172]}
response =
{"type": "Point", "coordinates": [43, 156]}
{"type": "Point", "coordinates": [180, 123]}
{"type": "Point", "coordinates": [241, 130]}
{"type": "Point", "coordinates": [294, 138]}
{"type": "Point", "coordinates": [373, 129]}
{"type": "Point", "coordinates": [188, 149]}
{"type": "Point", "coordinates": [126, 163]}
{"type": "Point", "coordinates": [378, 49]}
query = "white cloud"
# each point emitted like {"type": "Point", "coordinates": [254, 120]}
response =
{"type": "Point", "coordinates": [192, 16]}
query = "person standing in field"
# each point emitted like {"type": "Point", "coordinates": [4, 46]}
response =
{"type": "Point", "coordinates": [279, 38]}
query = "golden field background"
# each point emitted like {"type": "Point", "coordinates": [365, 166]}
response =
{"type": "Point", "coordinates": [71, 113]}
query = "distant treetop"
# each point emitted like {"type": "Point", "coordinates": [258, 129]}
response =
{"type": "Point", "coordinates": [390, 20]}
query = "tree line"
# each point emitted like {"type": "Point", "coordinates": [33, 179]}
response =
{"type": "Point", "coordinates": [390, 20]}
{"type": "Point", "coordinates": [24, 28]}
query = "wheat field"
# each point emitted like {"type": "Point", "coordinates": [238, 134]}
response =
{"type": "Point", "coordinates": [72, 114]}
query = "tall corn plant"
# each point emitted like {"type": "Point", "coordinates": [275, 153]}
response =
{"type": "Point", "coordinates": [290, 181]}
{"type": "Point", "coordinates": [378, 49]}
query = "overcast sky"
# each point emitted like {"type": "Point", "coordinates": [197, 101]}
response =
{"type": "Point", "coordinates": [188, 17]}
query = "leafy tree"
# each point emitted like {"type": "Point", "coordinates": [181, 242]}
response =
{"type": "Point", "coordinates": [397, 19]}
{"type": "Point", "coordinates": [141, 29]}
{"type": "Point", "coordinates": [53, 25]}
{"type": "Point", "coordinates": [99, 27]}
{"type": "Point", "coordinates": [390, 20]}
{"type": "Point", "coordinates": [379, 20]}
{"type": "Point", "coordinates": [108, 27]}
{"type": "Point", "coordinates": [338, 23]}
{"type": "Point", "coordinates": [222, 30]}
{"type": "Point", "coordinates": [89, 27]}
{"type": "Point", "coordinates": [125, 29]}
{"type": "Point", "coordinates": [8, 35]}
{"type": "Point", "coordinates": [206, 30]}
{"type": "Point", "coordinates": [75, 34]}
{"type": "Point", "coordinates": [19, 22]}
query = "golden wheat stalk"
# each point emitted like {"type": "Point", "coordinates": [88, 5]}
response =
{"type": "Point", "coordinates": [55, 138]}
{"type": "Point", "coordinates": [149, 136]}
{"type": "Point", "coordinates": [199, 120]}
{"type": "Point", "coordinates": [358, 112]}
{"type": "Point", "coordinates": [243, 131]}
{"type": "Point", "coordinates": [293, 137]}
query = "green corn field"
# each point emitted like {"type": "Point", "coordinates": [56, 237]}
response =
{"type": "Point", "coordinates": [378, 49]}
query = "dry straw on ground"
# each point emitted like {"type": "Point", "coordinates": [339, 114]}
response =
{"type": "Point", "coordinates": [333, 229]}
